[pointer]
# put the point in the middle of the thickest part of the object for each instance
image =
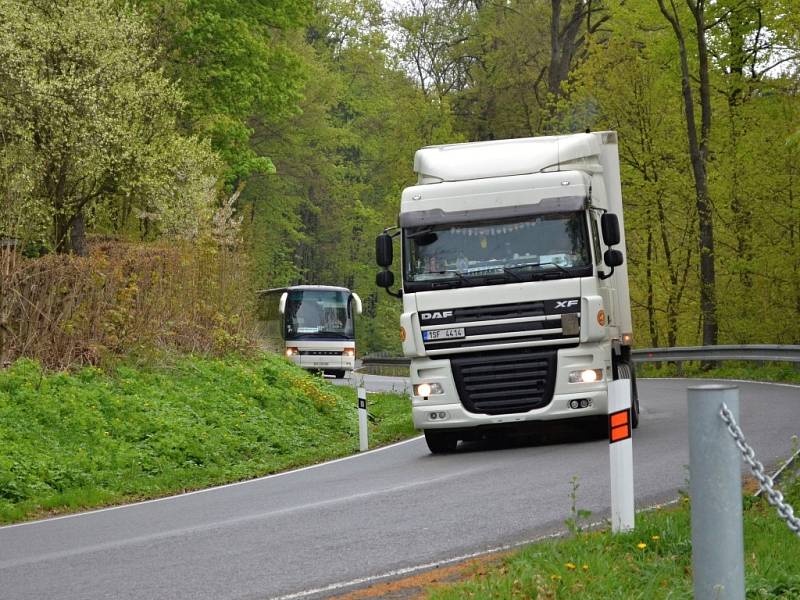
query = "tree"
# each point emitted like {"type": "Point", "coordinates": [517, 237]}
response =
{"type": "Point", "coordinates": [699, 150]}
{"type": "Point", "coordinates": [235, 60]}
{"type": "Point", "coordinates": [87, 109]}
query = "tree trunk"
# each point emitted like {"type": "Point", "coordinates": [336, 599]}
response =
{"type": "Point", "coordinates": [77, 236]}
{"type": "Point", "coordinates": [698, 152]}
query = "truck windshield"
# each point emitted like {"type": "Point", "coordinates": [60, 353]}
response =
{"type": "Point", "coordinates": [526, 249]}
{"type": "Point", "coordinates": [319, 314]}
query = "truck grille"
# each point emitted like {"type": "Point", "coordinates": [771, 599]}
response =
{"type": "Point", "coordinates": [504, 383]}
{"type": "Point", "coordinates": [524, 323]}
{"type": "Point", "coordinates": [499, 311]}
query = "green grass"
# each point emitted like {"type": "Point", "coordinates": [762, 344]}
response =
{"type": "Point", "coordinates": [70, 441]}
{"type": "Point", "coordinates": [652, 562]}
{"type": "Point", "coordinates": [775, 372]}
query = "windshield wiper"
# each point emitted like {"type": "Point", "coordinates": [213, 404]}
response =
{"type": "Point", "coordinates": [536, 264]}
{"type": "Point", "coordinates": [458, 274]}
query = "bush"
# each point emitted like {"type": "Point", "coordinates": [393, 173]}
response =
{"type": "Point", "coordinates": [65, 310]}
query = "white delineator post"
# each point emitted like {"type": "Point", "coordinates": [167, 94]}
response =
{"type": "Point", "coordinates": [621, 455]}
{"type": "Point", "coordinates": [363, 437]}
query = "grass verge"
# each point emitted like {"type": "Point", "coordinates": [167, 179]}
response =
{"type": "Point", "coordinates": [71, 441]}
{"type": "Point", "coordinates": [773, 372]}
{"type": "Point", "coordinates": [652, 562]}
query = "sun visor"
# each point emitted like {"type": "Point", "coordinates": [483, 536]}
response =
{"type": "Point", "coordinates": [437, 216]}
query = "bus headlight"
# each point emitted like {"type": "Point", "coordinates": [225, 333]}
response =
{"type": "Point", "coordinates": [586, 376]}
{"type": "Point", "coordinates": [292, 351]}
{"type": "Point", "coordinates": [349, 352]}
{"type": "Point", "coordinates": [428, 389]}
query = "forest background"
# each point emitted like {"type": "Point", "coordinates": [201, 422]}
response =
{"type": "Point", "coordinates": [161, 160]}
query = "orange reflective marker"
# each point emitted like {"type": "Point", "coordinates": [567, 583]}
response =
{"type": "Point", "coordinates": [619, 426]}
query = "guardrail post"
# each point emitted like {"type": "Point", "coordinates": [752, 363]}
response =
{"type": "Point", "coordinates": [715, 487]}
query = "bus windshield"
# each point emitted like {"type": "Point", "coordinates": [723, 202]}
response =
{"type": "Point", "coordinates": [319, 314]}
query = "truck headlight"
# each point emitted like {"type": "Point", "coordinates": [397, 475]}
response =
{"type": "Point", "coordinates": [427, 389]}
{"type": "Point", "coordinates": [349, 352]}
{"type": "Point", "coordinates": [586, 376]}
{"type": "Point", "coordinates": [292, 352]}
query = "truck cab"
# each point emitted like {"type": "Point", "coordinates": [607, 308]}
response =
{"type": "Point", "coordinates": [514, 283]}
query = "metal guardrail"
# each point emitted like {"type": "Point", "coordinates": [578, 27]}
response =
{"type": "Point", "coordinates": [755, 352]}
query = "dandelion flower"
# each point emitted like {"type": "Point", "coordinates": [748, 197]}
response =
{"type": "Point", "coordinates": [585, 567]}
{"type": "Point", "coordinates": [641, 545]}
{"type": "Point", "coordinates": [655, 538]}
{"type": "Point", "coordinates": [555, 577]}
{"type": "Point", "coordinates": [570, 566]}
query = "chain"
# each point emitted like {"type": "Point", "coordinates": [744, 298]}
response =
{"type": "Point", "coordinates": [773, 496]}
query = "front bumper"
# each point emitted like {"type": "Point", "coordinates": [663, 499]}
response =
{"type": "Point", "coordinates": [335, 363]}
{"type": "Point", "coordinates": [446, 411]}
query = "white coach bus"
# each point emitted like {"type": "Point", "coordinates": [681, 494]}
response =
{"type": "Point", "coordinates": [313, 325]}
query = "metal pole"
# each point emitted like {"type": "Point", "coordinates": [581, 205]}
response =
{"type": "Point", "coordinates": [363, 431]}
{"type": "Point", "coordinates": [620, 450]}
{"type": "Point", "coordinates": [715, 487]}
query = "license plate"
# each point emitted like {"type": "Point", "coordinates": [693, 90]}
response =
{"type": "Point", "coordinates": [443, 334]}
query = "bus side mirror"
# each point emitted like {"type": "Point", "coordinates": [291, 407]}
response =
{"type": "Point", "coordinates": [282, 303]}
{"type": "Point", "coordinates": [383, 250]}
{"type": "Point", "coordinates": [609, 224]}
{"type": "Point", "coordinates": [384, 279]}
{"type": "Point", "coordinates": [357, 301]}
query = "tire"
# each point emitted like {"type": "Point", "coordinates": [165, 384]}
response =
{"type": "Point", "coordinates": [625, 371]}
{"type": "Point", "coordinates": [440, 442]}
{"type": "Point", "coordinates": [338, 374]}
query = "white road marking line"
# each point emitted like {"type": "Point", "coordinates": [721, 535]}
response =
{"type": "Point", "coordinates": [409, 570]}
{"type": "Point", "coordinates": [211, 526]}
{"type": "Point", "coordinates": [211, 489]}
{"type": "Point", "coordinates": [449, 561]}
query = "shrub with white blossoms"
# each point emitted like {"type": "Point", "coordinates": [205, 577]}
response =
{"type": "Point", "coordinates": [88, 125]}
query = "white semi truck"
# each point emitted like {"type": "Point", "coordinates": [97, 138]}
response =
{"type": "Point", "coordinates": [312, 325]}
{"type": "Point", "coordinates": [514, 284]}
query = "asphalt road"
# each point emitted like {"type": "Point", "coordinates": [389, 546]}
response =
{"type": "Point", "coordinates": [342, 524]}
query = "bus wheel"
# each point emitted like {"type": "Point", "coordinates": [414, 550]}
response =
{"type": "Point", "coordinates": [440, 442]}
{"type": "Point", "coordinates": [338, 374]}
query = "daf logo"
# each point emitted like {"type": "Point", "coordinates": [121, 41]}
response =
{"type": "Point", "coordinates": [430, 316]}
{"type": "Point", "coordinates": [566, 303]}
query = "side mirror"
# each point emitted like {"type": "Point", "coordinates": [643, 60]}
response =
{"type": "Point", "coordinates": [383, 250]}
{"type": "Point", "coordinates": [357, 302]}
{"type": "Point", "coordinates": [613, 258]}
{"type": "Point", "coordinates": [609, 224]}
{"type": "Point", "coordinates": [282, 303]}
{"type": "Point", "coordinates": [384, 279]}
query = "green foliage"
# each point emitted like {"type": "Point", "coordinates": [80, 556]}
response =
{"type": "Point", "coordinates": [78, 440]}
{"type": "Point", "coordinates": [341, 163]}
{"type": "Point", "coordinates": [235, 62]}
{"type": "Point", "coordinates": [130, 121]}
{"type": "Point", "coordinates": [88, 115]}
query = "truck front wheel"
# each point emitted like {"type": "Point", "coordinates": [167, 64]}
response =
{"type": "Point", "coordinates": [625, 371]}
{"type": "Point", "coordinates": [440, 442]}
